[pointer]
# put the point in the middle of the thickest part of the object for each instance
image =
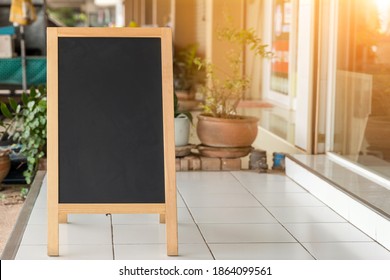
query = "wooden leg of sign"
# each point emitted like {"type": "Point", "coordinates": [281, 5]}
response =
{"type": "Point", "coordinates": [53, 232]}
{"type": "Point", "coordinates": [162, 218]}
{"type": "Point", "coordinates": [52, 216]}
{"type": "Point", "coordinates": [63, 218]}
{"type": "Point", "coordinates": [171, 228]}
{"type": "Point", "coordinates": [172, 235]}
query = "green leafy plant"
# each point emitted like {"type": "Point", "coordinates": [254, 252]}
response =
{"type": "Point", "coordinates": [23, 193]}
{"type": "Point", "coordinates": [225, 89]}
{"type": "Point", "coordinates": [68, 16]}
{"type": "Point", "coordinates": [185, 72]}
{"type": "Point", "coordinates": [30, 117]}
{"type": "Point", "coordinates": [7, 124]}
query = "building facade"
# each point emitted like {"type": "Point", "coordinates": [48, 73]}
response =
{"type": "Point", "coordinates": [327, 88]}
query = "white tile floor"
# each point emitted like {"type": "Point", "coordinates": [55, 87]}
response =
{"type": "Point", "coordinates": [222, 215]}
{"type": "Point", "coordinates": [362, 202]}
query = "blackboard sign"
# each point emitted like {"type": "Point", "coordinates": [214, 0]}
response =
{"type": "Point", "coordinates": [110, 125]}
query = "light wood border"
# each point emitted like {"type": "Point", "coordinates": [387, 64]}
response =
{"type": "Point", "coordinates": [52, 143]}
{"type": "Point", "coordinates": [57, 212]}
{"type": "Point", "coordinates": [118, 208]}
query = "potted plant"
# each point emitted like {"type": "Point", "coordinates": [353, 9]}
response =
{"type": "Point", "coordinates": [7, 127]}
{"type": "Point", "coordinates": [5, 162]}
{"type": "Point", "coordinates": [219, 125]}
{"type": "Point", "coordinates": [30, 115]}
{"type": "Point", "coordinates": [182, 124]}
{"type": "Point", "coordinates": [185, 72]}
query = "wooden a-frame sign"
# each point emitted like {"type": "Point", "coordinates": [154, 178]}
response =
{"type": "Point", "coordinates": [110, 126]}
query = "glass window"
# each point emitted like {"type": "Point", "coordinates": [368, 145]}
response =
{"type": "Point", "coordinates": [362, 91]}
{"type": "Point", "coordinates": [282, 17]}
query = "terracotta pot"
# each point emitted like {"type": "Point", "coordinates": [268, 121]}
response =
{"type": "Point", "coordinates": [220, 152]}
{"type": "Point", "coordinates": [185, 95]}
{"type": "Point", "coordinates": [218, 132]}
{"type": "Point", "coordinates": [5, 165]}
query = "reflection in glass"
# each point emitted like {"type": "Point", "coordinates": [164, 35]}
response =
{"type": "Point", "coordinates": [282, 16]}
{"type": "Point", "coordinates": [362, 99]}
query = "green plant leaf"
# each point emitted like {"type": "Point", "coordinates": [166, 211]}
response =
{"type": "Point", "coordinates": [26, 133]}
{"type": "Point", "coordinates": [33, 92]}
{"type": "Point", "coordinates": [42, 104]}
{"type": "Point", "coordinates": [24, 98]}
{"type": "Point", "coordinates": [18, 108]}
{"type": "Point", "coordinates": [31, 159]}
{"type": "Point", "coordinates": [32, 135]}
{"type": "Point", "coordinates": [27, 176]}
{"type": "Point", "coordinates": [175, 104]}
{"type": "Point", "coordinates": [30, 104]}
{"type": "Point", "coordinates": [24, 192]}
{"type": "Point", "coordinates": [5, 111]}
{"type": "Point", "coordinates": [42, 89]}
{"type": "Point", "coordinates": [13, 104]}
{"type": "Point", "coordinates": [16, 136]}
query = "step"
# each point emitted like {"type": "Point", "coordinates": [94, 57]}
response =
{"type": "Point", "coordinates": [360, 201]}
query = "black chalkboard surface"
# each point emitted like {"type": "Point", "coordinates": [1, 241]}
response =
{"type": "Point", "coordinates": [110, 126]}
{"type": "Point", "coordinates": [110, 120]}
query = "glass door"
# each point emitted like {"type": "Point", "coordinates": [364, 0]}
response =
{"type": "Point", "coordinates": [361, 92]}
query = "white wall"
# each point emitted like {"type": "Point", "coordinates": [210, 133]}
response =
{"type": "Point", "coordinates": [304, 87]}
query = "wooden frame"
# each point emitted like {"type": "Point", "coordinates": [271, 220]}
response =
{"type": "Point", "coordinates": [57, 212]}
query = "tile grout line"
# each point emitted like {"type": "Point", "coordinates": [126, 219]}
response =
{"type": "Point", "coordinates": [331, 182]}
{"type": "Point", "coordinates": [275, 218]}
{"type": "Point", "coordinates": [197, 226]}
{"type": "Point", "coordinates": [112, 236]}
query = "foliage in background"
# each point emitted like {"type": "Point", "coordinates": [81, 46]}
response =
{"type": "Point", "coordinates": [30, 115]}
{"type": "Point", "coordinates": [8, 125]}
{"type": "Point", "coordinates": [185, 72]}
{"type": "Point", "coordinates": [222, 95]}
{"type": "Point", "coordinates": [24, 193]}
{"type": "Point", "coordinates": [70, 17]}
